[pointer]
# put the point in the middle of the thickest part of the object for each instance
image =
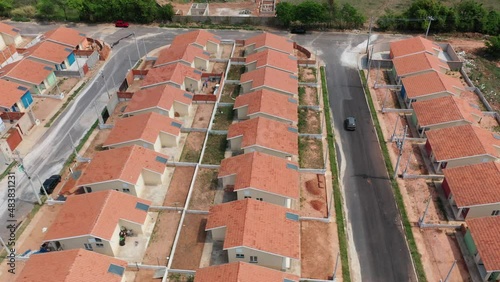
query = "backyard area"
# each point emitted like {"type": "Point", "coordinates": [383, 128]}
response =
{"type": "Point", "coordinates": [310, 153]}
{"type": "Point", "coordinates": [318, 250]}
{"type": "Point", "coordinates": [191, 242]}
{"type": "Point", "coordinates": [223, 118]}
{"type": "Point", "coordinates": [229, 93]}
{"type": "Point", "coordinates": [308, 96]}
{"type": "Point", "coordinates": [309, 121]}
{"type": "Point", "coordinates": [179, 187]}
{"type": "Point", "coordinates": [307, 74]}
{"type": "Point", "coordinates": [313, 200]}
{"type": "Point", "coordinates": [202, 116]}
{"type": "Point", "coordinates": [162, 238]}
{"type": "Point", "coordinates": [192, 149]}
{"type": "Point", "coordinates": [235, 72]}
{"type": "Point", "coordinates": [204, 190]}
{"type": "Point", "coordinates": [215, 149]}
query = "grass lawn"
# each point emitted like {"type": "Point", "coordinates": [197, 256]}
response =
{"type": "Point", "coordinates": [486, 76]}
{"type": "Point", "coordinates": [229, 93]}
{"type": "Point", "coordinates": [215, 148]}
{"type": "Point", "coordinates": [235, 72]}
{"type": "Point", "coordinates": [311, 153]}
{"type": "Point", "coordinates": [309, 121]}
{"type": "Point", "coordinates": [223, 118]}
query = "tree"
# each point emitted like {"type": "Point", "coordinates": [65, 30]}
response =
{"type": "Point", "coordinates": [492, 23]}
{"type": "Point", "coordinates": [166, 12]}
{"type": "Point", "coordinates": [309, 12]}
{"type": "Point", "coordinates": [471, 16]}
{"type": "Point", "coordinates": [350, 17]}
{"type": "Point", "coordinates": [419, 12]}
{"type": "Point", "coordinates": [493, 46]}
{"type": "Point", "coordinates": [285, 13]}
{"type": "Point", "coordinates": [5, 7]}
{"type": "Point", "coordinates": [46, 9]}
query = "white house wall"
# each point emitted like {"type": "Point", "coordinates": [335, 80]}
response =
{"type": "Point", "coordinates": [263, 259]}
{"type": "Point", "coordinates": [266, 197]}
{"type": "Point", "coordinates": [482, 211]}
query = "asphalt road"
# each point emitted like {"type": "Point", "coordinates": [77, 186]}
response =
{"type": "Point", "coordinates": [378, 250]}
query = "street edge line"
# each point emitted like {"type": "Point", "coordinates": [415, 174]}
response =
{"type": "Point", "coordinates": [65, 105]}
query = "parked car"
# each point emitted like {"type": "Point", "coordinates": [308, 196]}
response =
{"type": "Point", "coordinates": [50, 184]}
{"type": "Point", "coordinates": [120, 23]}
{"type": "Point", "coordinates": [350, 123]}
{"type": "Point", "coordinates": [298, 30]}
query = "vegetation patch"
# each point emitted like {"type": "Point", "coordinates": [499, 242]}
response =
{"type": "Point", "coordinates": [309, 121]}
{"type": "Point", "coordinates": [311, 153]}
{"type": "Point", "coordinates": [235, 72]}
{"type": "Point", "coordinates": [63, 107]}
{"type": "Point", "coordinates": [82, 142]}
{"type": "Point", "coordinates": [229, 93]}
{"type": "Point", "coordinates": [215, 149]}
{"type": "Point", "coordinates": [223, 118]}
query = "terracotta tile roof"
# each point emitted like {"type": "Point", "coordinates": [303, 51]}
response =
{"type": "Point", "coordinates": [258, 225]}
{"type": "Point", "coordinates": [200, 37]}
{"type": "Point", "coordinates": [474, 184]}
{"type": "Point", "coordinates": [272, 41]}
{"type": "Point", "coordinates": [50, 51]}
{"type": "Point", "coordinates": [96, 214]}
{"type": "Point", "coordinates": [27, 70]}
{"type": "Point", "coordinates": [125, 164]}
{"type": "Point", "coordinates": [413, 45]}
{"type": "Point", "coordinates": [266, 133]}
{"type": "Point", "coordinates": [170, 73]}
{"type": "Point", "coordinates": [486, 234]}
{"type": "Point", "coordinates": [268, 102]}
{"type": "Point", "coordinates": [10, 93]}
{"type": "Point", "coordinates": [65, 36]}
{"type": "Point", "coordinates": [181, 53]}
{"type": "Point", "coordinates": [462, 141]}
{"type": "Point", "coordinates": [272, 78]}
{"type": "Point", "coordinates": [146, 127]}
{"type": "Point", "coordinates": [242, 272]}
{"type": "Point", "coordinates": [418, 63]}
{"type": "Point", "coordinates": [273, 58]}
{"type": "Point", "coordinates": [162, 96]}
{"type": "Point", "coordinates": [430, 83]}
{"type": "Point", "coordinates": [8, 29]}
{"type": "Point", "coordinates": [445, 109]}
{"type": "Point", "coordinates": [76, 265]}
{"type": "Point", "coordinates": [263, 172]}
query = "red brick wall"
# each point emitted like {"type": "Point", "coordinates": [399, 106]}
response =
{"type": "Point", "coordinates": [11, 115]}
{"type": "Point", "coordinates": [204, 97]}
{"type": "Point", "coordinates": [125, 95]}
{"type": "Point", "coordinates": [302, 49]}
{"type": "Point", "coordinates": [14, 138]}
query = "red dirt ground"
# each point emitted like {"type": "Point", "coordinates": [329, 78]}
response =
{"type": "Point", "coordinates": [160, 244]}
{"type": "Point", "coordinates": [318, 250]}
{"type": "Point", "coordinates": [179, 186]}
{"type": "Point", "coordinates": [191, 242]}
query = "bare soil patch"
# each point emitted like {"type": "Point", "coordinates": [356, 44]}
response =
{"type": "Point", "coordinates": [219, 67]}
{"type": "Point", "coordinates": [310, 153]}
{"type": "Point", "coordinates": [162, 238]}
{"type": "Point", "coordinates": [318, 250]}
{"type": "Point", "coordinates": [309, 121]}
{"type": "Point", "coordinates": [204, 190]}
{"type": "Point", "coordinates": [226, 51]}
{"type": "Point", "coordinates": [145, 275]}
{"type": "Point", "coordinates": [202, 116]}
{"type": "Point", "coordinates": [307, 74]}
{"type": "Point", "coordinates": [192, 147]}
{"type": "Point", "coordinates": [191, 241]}
{"type": "Point", "coordinates": [313, 200]}
{"type": "Point", "coordinates": [308, 96]}
{"type": "Point", "coordinates": [233, 8]}
{"type": "Point", "coordinates": [179, 186]}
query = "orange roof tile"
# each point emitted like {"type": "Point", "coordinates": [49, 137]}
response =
{"type": "Point", "coordinates": [8, 29]}
{"type": "Point", "coordinates": [174, 73]}
{"type": "Point", "coordinates": [443, 110]}
{"type": "Point", "coordinates": [96, 214]}
{"type": "Point", "coordinates": [50, 51]}
{"type": "Point", "coordinates": [272, 58]}
{"type": "Point", "coordinates": [485, 232]}
{"type": "Point", "coordinates": [272, 78]}
{"type": "Point", "coordinates": [266, 133]}
{"type": "Point", "coordinates": [199, 37]}
{"type": "Point", "coordinates": [431, 83]}
{"type": "Point", "coordinates": [182, 53]}
{"type": "Point", "coordinates": [268, 102]}
{"type": "Point", "coordinates": [462, 141]}
{"type": "Point", "coordinates": [474, 184]}
{"type": "Point", "coordinates": [125, 164]}
{"type": "Point", "coordinates": [76, 265]}
{"type": "Point", "coordinates": [242, 272]}
{"type": "Point", "coordinates": [10, 93]}
{"type": "Point", "coordinates": [162, 96]}
{"type": "Point", "coordinates": [418, 63]}
{"type": "Point", "coordinates": [145, 127]}
{"type": "Point", "coordinates": [27, 70]}
{"type": "Point", "coordinates": [66, 36]}
{"type": "Point", "coordinates": [263, 172]}
{"type": "Point", "coordinates": [271, 41]}
{"type": "Point", "coordinates": [412, 46]}
{"type": "Point", "coordinates": [258, 225]}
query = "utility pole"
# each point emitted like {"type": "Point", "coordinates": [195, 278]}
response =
{"type": "Point", "coordinates": [137, 45]}
{"type": "Point", "coordinates": [43, 188]}
{"type": "Point", "coordinates": [130, 61]}
{"type": "Point", "coordinates": [105, 84]}
{"type": "Point", "coordinates": [335, 269]}
{"type": "Point", "coordinates": [421, 220]}
{"type": "Point", "coordinates": [369, 35]}
{"type": "Point", "coordinates": [407, 164]}
{"type": "Point", "coordinates": [395, 128]}
{"type": "Point", "coordinates": [400, 152]}
{"type": "Point", "coordinates": [145, 50]}
{"type": "Point", "coordinates": [21, 161]}
{"type": "Point", "coordinates": [449, 272]}
{"type": "Point", "coordinates": [429, 26]}
{"type": "Point", "coordinates": [385, 99]}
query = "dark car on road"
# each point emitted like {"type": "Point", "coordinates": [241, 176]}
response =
{"type": "Point", "coordinates": [50, 183]}
{"type": "Point", "coordinates": [121, 23]}
{"type": "Point", "coordinates": [298, 30]}
{"type": "Point", "coordinates": [350, 123]}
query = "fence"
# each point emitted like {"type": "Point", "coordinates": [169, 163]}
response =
{"type": "Point", "coordinates": [66, 73]}
{"type": "Point", "coordinates": [239, 42]}
{"type": "Point", "coordinates": [303, 62]}
{"type": "Point", "coordinates": [205, 97]}
{"type": "Point", "coordinates": [479, 94]}
{"type": "Point", "coordinates": [302, 49]}
{"type": "Point", "coordinates": [229, 20]}
{"type": "Point", "coordinates": [124, 95]}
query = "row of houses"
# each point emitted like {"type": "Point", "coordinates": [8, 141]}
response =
{"type": "Point", "coordinates": [457, 146]}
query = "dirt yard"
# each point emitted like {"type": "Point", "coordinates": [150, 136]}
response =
{"type": "Point", "coordinates": [233, 8]}
{"type": "Point", "coordinates": [309, 121]}
{"type": "Point", "coordinates": [318, 250]}
{"type": "Point", "coordinates": [229, 93]}
{"type": "Point", "coordinates": [144, 275]}
{"type": "Point", "coordinates": [162, 238]}
{"type": "Point", "coordinates": [226, 51]}
{"type": "Point", "coordinates": [308, 96]}
{"type": "Point", "coordinates": [307, 74]}
{"type": "Point", "coordinates": [192, 147]}
{"type": "Point", "coordinates": [202, 116]}
{"type": "Point", "coordinates": [313, 200]}
{"type": "Point", "coordinates": [219, 67]}
{"type": "Point", "coordinates": [179, 187]}
{"type": "Point", "coordinates": [311, 153]}
{"type": "Point", "coordinates": [191, 242]}
{"type": "Point", "coordinates": [204, 190]}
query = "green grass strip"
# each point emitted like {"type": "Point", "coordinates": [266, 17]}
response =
{"type": "Point", "coordinates": [417, 260]}
{"type": "Point", "coordinates": [70, 98]}
{"type": "Point", "coordinates": [86, 137]}
{"type": "Point", "coordinates": [339, 211]}
{"type": "Point", "coordinates": [8, 169]}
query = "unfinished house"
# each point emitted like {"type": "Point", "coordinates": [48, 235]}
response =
{"type": "Point", "coordinates": [207, 41]}
{"type": "Point", "coordinates": [242, 272]}
{"type": "Point", "coordinates": [178, 75]}
{"type": "Point", "coordinates": [266, 41]}
{"type": "Point", "coordinates": [273, 59]}
{"type": "Point", "coordinates": [190, 55]}
{"type": "Point", "coordinates": [270, 79]}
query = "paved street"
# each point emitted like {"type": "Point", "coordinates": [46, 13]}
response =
{"type": "Point", "coordinates": [373, 221]}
